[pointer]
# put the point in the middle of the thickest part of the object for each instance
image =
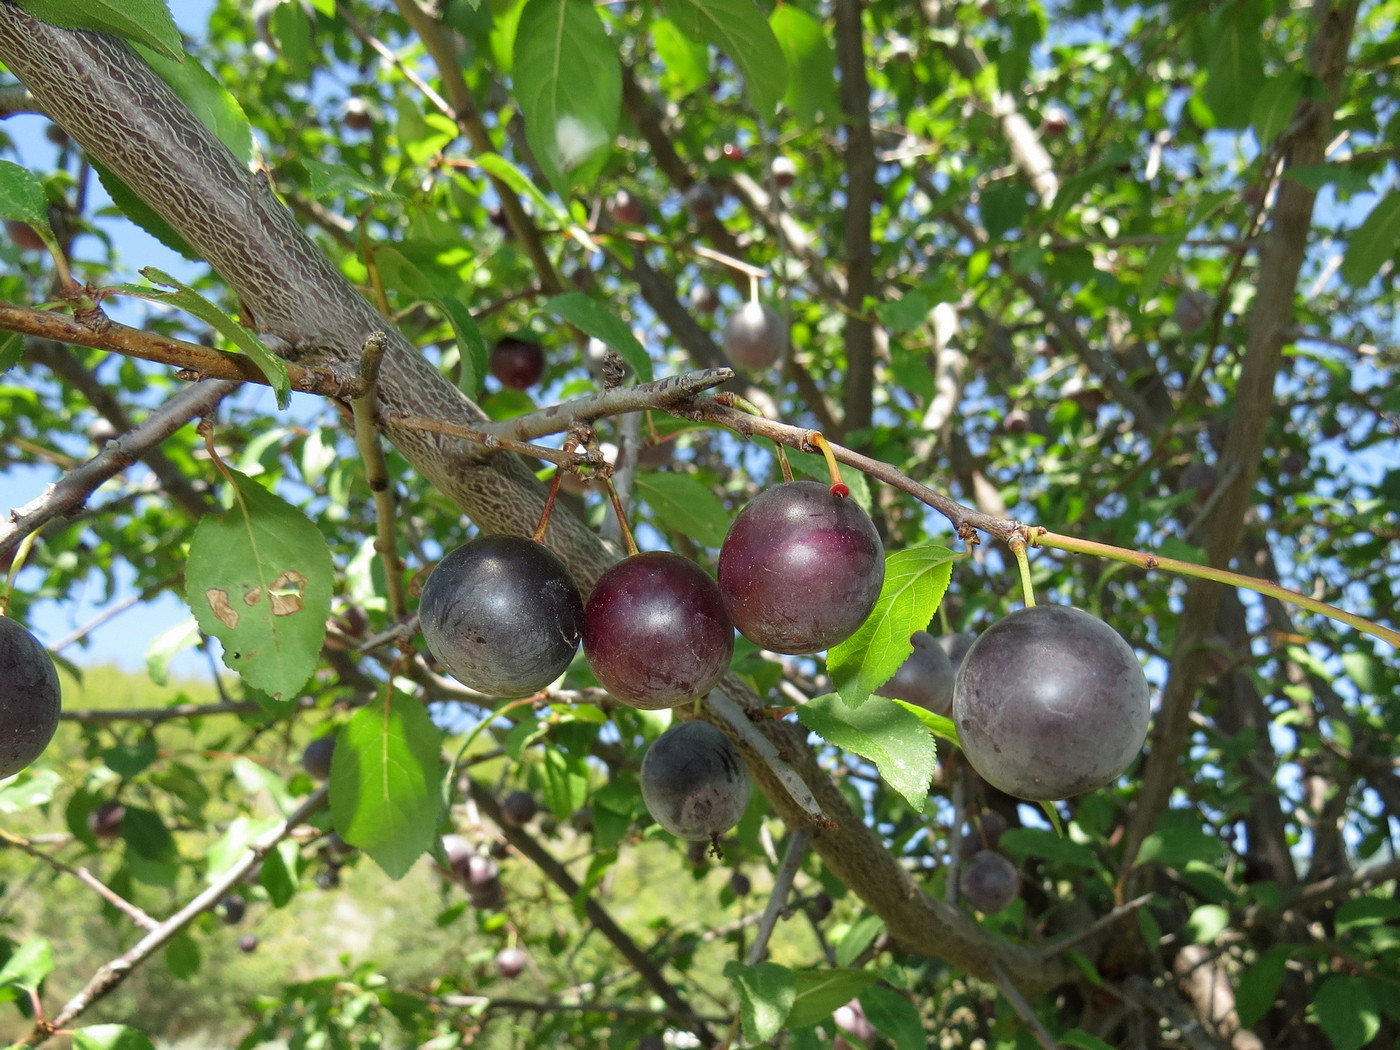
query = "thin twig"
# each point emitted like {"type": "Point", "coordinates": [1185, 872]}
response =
{"type": "Point", "coordinates": [1099, 924]}
{"type": "Point", "coordinates": [194, 362]}
{"type": "Point", "coordinates": [86, 877]}
{"type": "Point", "coordinates": [1023, 1009]}
{"type": "Point", "coordinates": [74, 488]}
{"type": "Point", "coordinates": [782, 886]}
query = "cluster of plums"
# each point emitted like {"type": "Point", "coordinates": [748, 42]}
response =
{"type": "Point", "coordinates": [799, 571]}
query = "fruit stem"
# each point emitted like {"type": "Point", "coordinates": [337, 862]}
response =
{"type": "Point", "coordinates": [1045, 538]}
{"type": "Point", "coordinates": [548, 510]}
{"type": "Point", "coordinates": [838, 487]}
{"type": "Point", "coordinates": [1023, 563]}
{"type": "Point", "coordinates": [753, 288]}
{"type": "Point", "coordinates": [627, 540]}
{"type": "Point", "coordinates": [783, 463]}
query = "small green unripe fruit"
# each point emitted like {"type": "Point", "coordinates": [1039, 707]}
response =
{"type": "Point", "coordinates": [29, 698]}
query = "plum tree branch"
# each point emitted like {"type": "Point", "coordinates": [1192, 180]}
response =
{"type": "Point", "coordinates": [116, 900]}
{"type": "Point", "coordinates": [94, 329]}
{"type": "Point", "coordinates": [71, 491]}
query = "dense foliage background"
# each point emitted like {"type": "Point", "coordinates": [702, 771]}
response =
{"type": "Point", "coordinates": [1122, 271]}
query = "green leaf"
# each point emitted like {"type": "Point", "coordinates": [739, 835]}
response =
{"type": "Point", "coordinates": [31, 962]}
{"type": "Point", "coordinates": [685, 504]}
{"type": "Point", "coordinates": [766, 994]}
{"type": "Point", "coordinates": [22, 198]}
{"type": "Point", "coordinates": [687, 62]}
{"type": "Point", "coordinates": [140, 21]}
{"type": "Point", "coordinates": [147, 834]}
{"type": "Point", "coordinates": [1235, 69]}
{"type": "Point", "coordinates": [565, 783]}
{"type": "Point", "coordinates": [885, 733]}
{"type": "Point", "coordinates": [207, 99]}
{"type": "Point", "coordinates": [915, 581]}
{"type": "Point", "coordinates": [278, 874]}
{"type": "Point", "coordinates": [187, 299]}
{"type": "Point", "coordinates": [1207, 923]}
{"type": "Point", "coordinates": [1020, 843]}
{"type": "Point", "coordinates": [1274, 106]}
{"type": "Point", "coordinates": [1161, 260]}
{"type": "Point", "coordinates": [939, 725]}
{"type": "Point", "coordinates": [259, 579]}
{"type": "Point", "coordinates": [1373, 242]}
{"type": "Point", "coordinates": [471, 348]}
{"type": "Point", "coordinates": [1258, 986]}
{"type": "Point", "coordinates": [1346, 1010]}
{"type": "Point", "coordinates": [819, 992]}
{"type": "Point", "coordinates": [894, 1017]}
{"type": "Point", "coordinates": [11, 350]}
{"type": "Point", "coordinates": [811, 63]}
{"type": "Point", "coordinates": [592, 317]}
{"type": "Point", "coordinates": [331, 181]}
{"type": "Point", "coordinates": [31, 788]}
{"type": "Point", "coordinates": [859, 937]}
{"type": "Point", "coordinates": [1175, 842]}
{"type": "Point", "coordinates": [569, 84]}
{"type": "Point", "coordinates": [182, 956]}
{"type": "Point", "coordinates": [739, 30]}
{"type": "Point", "coordinates": [384, 782]}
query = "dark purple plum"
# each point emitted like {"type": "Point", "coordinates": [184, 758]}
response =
{"type": "Point", "coordinates": [801, 568]}
{"type": "Point", "coordinates": [694, 782]}
{"type": "Point", "coordinates": [231, 909]}
{"type": "Point", "coordinates": [956, 646]}
{"type": "Point", "coordinates": [988, 881]}
{"type": "Point", "coordinates": [925, 678]}
{"type": "Point", "coordinates": [655, 631]}
{"type": "Point", "coordinates": [517, 363]}
{"type": "Point", "coordinates": [502, 615]}
{"type": "Point", "coordinates": [105, 822]}
{"type": "Point", "coordinates": [518, 809]}
{"type": "Point", "coordinates": [510, 962]}
{"type": "Point", "coordinates": [1050, 702]}
{"type": "Point", "coordinates": [316, 759]}
{"type": "Point", "coordinates": [30, 698]}
{"type": "Point", "coordinates": [755, 337]}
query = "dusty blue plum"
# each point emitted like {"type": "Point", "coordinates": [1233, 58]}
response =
{"type": "Point", "coordinates": [502, 615]}
{"type": "Point", "coordinates": [30, 698]}
{"type": "Point", "coordinates": [694, 782]}
{"type": "Point", "coordinates": [1050, 702]}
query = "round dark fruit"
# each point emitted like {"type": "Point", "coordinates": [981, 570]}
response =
{"type": "Point", "coordinates": [988, 881]}
{"type": "Point", "coordinates": [480, 871]}
{"type": "Point", "coordinates": [626, 210]}
{"type": "Point", "coordinates": [1192, 310]}
{"type": "Point", "coordinates": [694, 782]}
{"type": "Point", "coordinates": [23, 236]}
{"type": "Point", "coordinates": [232, 908]}
{"type": "Point", "coordinates": [655, 632]}
{"type": "Point", "coordinates": [355, 114]}
{"type": "Point", "coordinates": [518, 809]}
{"type": "Point", "coordinates": [956, 646]}
{"type": "Point", "coordinates": [316, 759]}
{"type": "Point", "coordinates": [248, 943]}
{"type": "Point", "coordinates": [29, 698]}
{"type": "Point", "coordinates": [755, 336]}
{"type": "Point", "coordinates": [510, 962]}
{"type": "Point", "coordinates": [702, 201]}
{"type": "Point", "coordinates": [801, 568]}
{"type": "Point", "coordinates": [990, 826]}
{"type": "Point", "coordinates": [925, 679]}
{"type": "Point", "coordinates": [820, 906]}
{"type": "Point", "coordinates": [517, 363]}
{"type": "Point", "coordinates": [739, 884]}
{"type": "Point", "coordinates": [105, 822]}
{"type": "Point", "coordinates": [1050, 702]}
{"type": "Point", "coordinates": [458, 852]}
{"type": "Point", "coordinates": [328, 878]}
{"type": "Point", "coordinates": [502, 615]}
{"type": "Point", "coordinates": [783, 172]}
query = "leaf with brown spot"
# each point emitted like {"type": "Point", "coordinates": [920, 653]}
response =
{"type": "Point", "coordinates": [262, 547]}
